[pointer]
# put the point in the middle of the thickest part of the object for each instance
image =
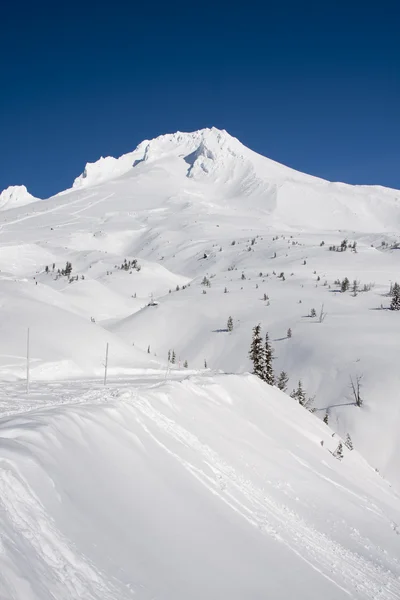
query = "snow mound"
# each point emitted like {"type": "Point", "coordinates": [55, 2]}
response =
{"type": "Point", "coordinates": [14, 196]}
{"type": "Point", "coordinates": [210, 487]}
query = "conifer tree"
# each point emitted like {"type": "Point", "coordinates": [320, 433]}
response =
{"type": "Point", "coordinates": [395, 303]}
{"type": "Point", "coordinates": [326, 419]}
{"type": "Point", "coordinates": [148, 349]}
{"type": "Point", "coordinates": [268, 374]}
{"type": "Point", "coordinates": [229, 324]}
{"type": "Point", "coordinates": [173, 357]}
{"type": "Point", "coordinates": [169, 355]}
{"type": "Point", "coordinates": [185, 364]}
{"type": "Point", "coordinates": [289, 333]}
{"type": "Point", "coordinates": [299, 394]}
{"type": "Point", "coordinates": [338, 453]}
{"type": "Point", "coordinates": [205, 363]}
{"type": "Point", "coordinates": [256, 353]}
{"type": "Point", "coordinates": [349, 443]}
{"type": "Point", "coordinates": [282, 381]}
{"type": "Point", "coordinates": [344, 286]}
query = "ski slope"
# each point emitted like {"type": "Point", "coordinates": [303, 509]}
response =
{"type": "Point", "coordinates": [203, 487]}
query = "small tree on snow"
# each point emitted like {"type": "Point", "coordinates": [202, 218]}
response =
{"type": "Point", "coordinates": [229, 324]}
{"type": "Point", "coordinates": [338, 453]}
{"type": "Point", "coordinates": [148, 349]}
{"type": "Point", "coordinates": [205, 364]}
{"type": "Point", "coordinates": [299, 394]}
{"type": "Point", "coordinates": [289, 333]}
{"type": "Point", "coordinates": [355, 386]}
{"type": "Point", "coordinates": [282, 381]}
{"type": "Point", "coordinates": [256, 353]}
{"type": "Point", "coordinates": [326, 419]}
{"type": "Point", "coordinates": [344, 286]}
{"type": "Point", "coordinates": [173, 357]}
{"type": "Point", "coordinates": [349, 443]}
{"type": "Point", "coordinates": [185, 364]}
{"type": "Point", "coordinates": [395, 303]}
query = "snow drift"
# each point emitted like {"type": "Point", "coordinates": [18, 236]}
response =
{"type": "Point", "coordinates": [209, 487]}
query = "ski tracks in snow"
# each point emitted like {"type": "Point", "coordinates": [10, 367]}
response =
{"type": "Point", "coordinates": [349, 571]}
{"type": "Point", "coordinates": [61, 572]}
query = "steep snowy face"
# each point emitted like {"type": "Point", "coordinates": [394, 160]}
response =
{"type": "Point", "coordinates": [14, 196]}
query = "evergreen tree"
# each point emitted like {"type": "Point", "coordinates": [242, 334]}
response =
{"type": "Point", "coordinates": [326, 419]}
{"type": "Point", "coordinates": [282, 381]}
{"type": "Point", "coordinates": [268, 373]}
{"type": "Point", "coordinates": [299, 394]}
{"type": "Point", "coordinates": [395, 303]}
{"type": "Point", "coordinates": [339, 451]}
{"type": "Point", "coordinates": [229, 324]}
{"type": "Point", "coordinates": [185, 364]}
{"type": "Point", "coordinates": [148, 349]}
{"type": "Point", "coordinates": [169, 355]}
{"type": "Point", "coordinates": [349, 443]}
{"type": "Point", "coordinates": [354, 288]}
{"type": "Point", "coordinates": [289, 333]}
{"type": "Point", "coordinates": [205, 363]}
{"type": "Point", "coordinates": [344, 286]}
{"type": "Point", "coordinates": [256, 353]}
{"type": "Point", "coordinates": [173, 357]}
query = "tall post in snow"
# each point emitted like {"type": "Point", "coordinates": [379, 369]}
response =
{"type": "Point", "coordinates": [106, 366]}
{"type": "Point", "coordinates": [27, 362]}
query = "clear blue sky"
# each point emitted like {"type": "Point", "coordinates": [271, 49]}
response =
{"type": "Point", "coordinates": [314, 85]}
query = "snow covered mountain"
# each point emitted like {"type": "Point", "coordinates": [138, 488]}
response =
{"type": "Point", "coordinates": [150, 253]}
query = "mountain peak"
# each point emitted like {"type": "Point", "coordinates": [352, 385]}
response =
{"type": "Point", "coordinates": [15, 195]}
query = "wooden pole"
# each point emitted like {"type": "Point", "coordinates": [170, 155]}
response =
{"type": "Point", "coordinates": [27, 362]}
{"type": "Point", "coordinates": [106, 366]}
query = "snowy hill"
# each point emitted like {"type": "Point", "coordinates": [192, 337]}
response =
{"type": "Point", "coordinates": [150, 253]}
{"type": "Point", "coordinates": [210, 487]}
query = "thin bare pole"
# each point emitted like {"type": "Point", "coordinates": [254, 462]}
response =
{"type": "Point", "coordinates": [27, 362]}
{"type": "Point", "coordinates": [105, 366]}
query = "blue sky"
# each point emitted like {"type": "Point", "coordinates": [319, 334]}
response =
{"type": "Point", "coordinates": [313, 85]}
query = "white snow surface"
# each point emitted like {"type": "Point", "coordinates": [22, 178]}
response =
{"type": "Point", "coordinates": [14, 196]}
{"type": "Point", "coordinates": [208, 485]}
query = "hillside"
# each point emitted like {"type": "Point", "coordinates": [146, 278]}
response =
{"type": "Point", "coordinates": [203, 487]}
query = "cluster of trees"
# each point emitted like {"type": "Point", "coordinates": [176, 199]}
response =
{"type": "Point", "coordinates": [129, 265]}
{"type": "Point", "coordinates": [261, 355]}
{"type": "Point", "coordinates": [344, 245]}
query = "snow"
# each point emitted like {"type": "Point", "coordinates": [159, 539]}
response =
{"type": "Point", "coordinates": [217, 485]}
{"type": "Point", "coordinates": [14, 196]}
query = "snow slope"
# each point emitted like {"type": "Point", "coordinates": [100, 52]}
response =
{"type": "Point", "coordinates": [189, 205]}
{"type": "Point", "coordinates": [208, 487]}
